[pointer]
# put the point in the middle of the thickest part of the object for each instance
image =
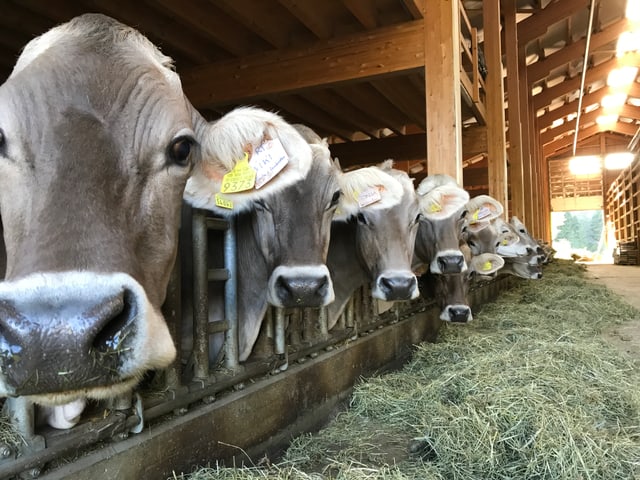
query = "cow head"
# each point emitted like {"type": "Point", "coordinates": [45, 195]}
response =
{"type": "Point", "coordinates": [443, 209]}
{"type": "Point", "coordinates": [292, 219]}
{"type": "Point", "coordinates": [382, 204]}
{"type": "Point", "coordinates": [97, 141]}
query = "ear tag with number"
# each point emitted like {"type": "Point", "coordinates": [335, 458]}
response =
{"type": "Point", "coordinates": [486, 266]}
{"type": "Point", "coordinates": [223, 202]}
{"type": "Point", "coordinates": [241, 178]}
{"type": "Point", "coordinates": [369, 196]}
{"type": "Point", "coordinates": [268, 160]}
{"type": "Point", "coordinates": [435, 207]}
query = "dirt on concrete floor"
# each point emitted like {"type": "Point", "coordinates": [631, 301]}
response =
{"type": "Point", "coordinates": [625, 281]}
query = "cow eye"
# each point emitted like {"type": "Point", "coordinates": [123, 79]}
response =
{"type": "Point", "coordinates": [471, 243]}
{"type": "Point", "coordinates": [497, 244]}
{"type": "Point", "coordinates": [362, 219]}
{"type": "Point", "coordinates": [180, 150]}
{"type": "Point", "coordinates": [261, 206]}
{"type": "Point", "coordinates": [417, 219]}
{"type": "Point", "coordinates": [522, 230]}
{"type": "Point", "coordinates": [335, 198]}
{"type": "Point", "coordinates": [464, 213]}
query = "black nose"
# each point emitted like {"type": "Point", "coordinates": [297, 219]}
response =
{"type": "Point", "coordinates": [450, 263]}
{"type": "Point", "coordinates": [302, 290]}
{"type": "Point", "coordinates": [459, 314]}
{"type": "Point", "coordinates": [398, 287]}
{"type": "Point", "coordinates": [539, 275]}
{"type": "Point", "coordinates": [67, 343]}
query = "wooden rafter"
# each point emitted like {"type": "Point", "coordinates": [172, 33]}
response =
{"type": "Point", "coordinates": [536, 25]}
{"type": "Point", "coordinates": [386, 51]}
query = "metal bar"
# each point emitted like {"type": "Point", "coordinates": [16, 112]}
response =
{"type": "Point", "coordinates": [350, 311]}
{"type": "Point", "coordinates": [323, 321]}
{"type": "Point", "coordinates": [214, 223]}
{"type": "Point", "coordinates": [200, 295]}
{"type": "Point", "coordinates": [584, 75]}
{"type": "Point", "coordinates": [231, 296]}
{"type": "Point", "coordinates": [218, 275]}
{"type": "Point", "coordinates": [279, 339]}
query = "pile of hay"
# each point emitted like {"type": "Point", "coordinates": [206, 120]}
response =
{"type": "Point", "coordinates": [529, 390]}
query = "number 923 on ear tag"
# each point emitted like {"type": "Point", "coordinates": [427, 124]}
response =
{"type": "Point", "coordinates": [241, 178]}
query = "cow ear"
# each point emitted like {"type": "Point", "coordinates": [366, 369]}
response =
{"type": "Point", "coordinates": [274, 149]}
{"type": "Point", "coordinates": [486, 263]}
{"type": "Point", "coordinates": [367, 188]}
{"type": "Point", "coordinates": [442, 202]}
{"type": "Point", "coordinates": [483, 208]}
{"type": "Point", "coordinates": [507, 244]}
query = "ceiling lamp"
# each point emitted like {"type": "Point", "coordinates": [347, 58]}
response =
{"type": "Point", "coordinates": [604, 120]}
{"type": "Point", "coordinates": [614, 100]}
{"type": "Point", "coordinates": [585, 165]}
{"type": "Point", "coordinates": [622, 77]}
{"type": "Point", "coordinates": [633, 10]}
{"type": "Point", "coordinates": [628, 42]}
{"type": "Point", "coordinates": [618, 161]}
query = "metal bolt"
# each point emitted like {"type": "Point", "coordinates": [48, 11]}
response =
{"type": "Point", "coordinates": [122, 436]}
{"type": "Point", "coordinates": [209, 399]}
{"type": "Point", "coordinates": [5, 451]}
{"type": "Point", "coordinates": [180, 411]}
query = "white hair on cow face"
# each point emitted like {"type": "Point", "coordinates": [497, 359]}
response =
{"type": "Point", "coordinates": [381, 188]}
{"type": "Point", "coordinates": [434, 181]}
{"type": "Point", "coordinates": [443, 201]}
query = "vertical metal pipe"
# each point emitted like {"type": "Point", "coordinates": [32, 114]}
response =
{"type": "Point", "coordinates": [323, 322]}
{"type": "Point", "coordinates": [307, 325]}
{"type": "Point", "coordinates": [279, 331]}
{"type": "Point", "coordinates": [584, 75]}
{"type": "Point", "coordinates": [231, 295]}
{"type": "Point", "coordinates": [200, 295]}
{"type": "Point", "coordinates": [350, 312]}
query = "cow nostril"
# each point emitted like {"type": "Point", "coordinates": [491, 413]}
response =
{"type": "Point", "coordinates": [111, 337]}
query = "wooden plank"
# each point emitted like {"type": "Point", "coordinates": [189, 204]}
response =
{"type": "Point", "coordinates": [538, 70]}
{"type": "Point", "coordinates": [526, 116]}
{"type": "Point", "coordinates": [594, 74]}
{"type": "Point", "coordinates": [496, 141]}
{"type": "Point", "coordinates": [514, 133]}
{"type": "Point", "coordinates": [318, 18]}
{"type": "Point", "coordinates": [402, 94]}
{"type": "Point", "coordinates": [364, 12]}
{"type": "Point", "coordinates": [474, 141]}
{"type": "Point", "coordinates": [563, 142]}
{"type": "Point", "coordinates": [537, 25]}
{"type": "Point", "coordinates": [442, 87]}
{"type": "Point", "coordinates": [416, 8]}
{"type": "Point", "coordinates": [386, 51]}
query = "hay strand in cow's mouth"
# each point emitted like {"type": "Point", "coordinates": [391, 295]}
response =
{"type": "Point", "coordinates": [529, 389]}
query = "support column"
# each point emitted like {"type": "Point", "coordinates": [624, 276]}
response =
{"type": "Point", "coordinates": [514, 134]}
{"type": "Point", "coordinates": [442, 87]}
{"type": "Point", "coordinates": [496, 141]}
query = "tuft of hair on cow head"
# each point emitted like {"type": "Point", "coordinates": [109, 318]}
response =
{"type": "Point", "coordinates": [368, 188]}
{"type": "Point", "coordinates": [276, 152]}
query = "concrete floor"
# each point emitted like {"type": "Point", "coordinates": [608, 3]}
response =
{"type": "Point", "coordinates": [625, 281]}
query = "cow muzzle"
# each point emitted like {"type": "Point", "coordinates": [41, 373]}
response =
{"type": "Point", "coordinates": [396, 286]}
{"type": "Point", "coordinates": [456, 314]}
{"type": "Point", "coordinates": [300, 286]}
{"type": "Point", "coordinates": [448, 262]}
{"type": "Point", "coordinates": [77, 331]}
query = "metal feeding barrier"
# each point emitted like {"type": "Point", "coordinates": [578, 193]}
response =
{"type": "Point", "coordinates": [290, 335]}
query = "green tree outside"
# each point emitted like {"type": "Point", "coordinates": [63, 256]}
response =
{"type": "Point", "coordinates": [582, 232]}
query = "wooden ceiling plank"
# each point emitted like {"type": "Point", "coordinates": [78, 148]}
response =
{"type": "Point", "coordinates": [550, 148]}
{"type": "Point", "coordinates": [390, 50]}
{"type": "Point", "coordinates": [538, 70]}
{"type": "Point", "coordinates": [350, 114]}
{"type": "Point", "coordinates": [403, 96]}
{"type": "Point", "coordinates": [364, 12]}
{"type": "Point", "coordinates": [312, 16]}
{"type": "Point", "coordinates": [269, 20]}
{"type": "Point", "coordinates": [30, 23]}
{"type": "Point", "coordinates": [58, 11]}
{"type": "Point", "coordinates": [629, 129]}
{"type": "Point", "coordinates": [366, 98]}
{"type": "Point", "coordinates": [537, 25]}
{"type": "Point", "coordinates": [314, 117]}
{"type": "Point", "coordinates": [594, 74]}
{"type": "Point", "coordinates": [160, 29]}
{"type": "Point", "coordinates": [415, 8]}
{"type": "Point", "coordinates": [213, 25]}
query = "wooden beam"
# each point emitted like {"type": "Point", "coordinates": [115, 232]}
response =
{"type": "Point", "coordinates": [629, 129]}
{"type": "Point", "coordinates": [415, 8]}
{"type": "Point", "coordinates": [474, 141]}
{"type": "Point", "coordinates": [441, 44]}
{"type": "Point", "coordinates": [386, 51]}
{"type": "Point", "coordinates": [496, 141]}
{"type": "Point", "coordinates": [537, 71]}
{"type": "Point", "coordinates": [363, 11]}
{"type": "Point", "coordinates": [514, 134]}
{"type": "Point", "coordinates": [565, 141]}
{"type": "Point", "coordinates": [537, 25]}
{"type": "Point", "coordinates": [594, 74]}
{"type": "Point", "coordinates": [547, 119]}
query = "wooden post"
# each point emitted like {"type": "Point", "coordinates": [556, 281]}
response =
{"type": "Point", "coordinates": [496, 141]}
{"type": "Point", "coordinates": [516, 180]}
{"type": "Point", "coordinates": [526, 132]}
{"type": "Point", "coordinates": [442, 87]}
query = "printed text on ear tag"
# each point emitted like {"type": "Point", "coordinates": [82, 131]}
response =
{"type": "Point", "coordinates": [481, 213]}
{"type": "Point", "coordinates": [268, 160]}
{"type": "Point", "coordinates": [223, 202]}
{"type": "Point", "coordinates": [369, 196]}
{"type": "Point", "coordinates": [241, 178]}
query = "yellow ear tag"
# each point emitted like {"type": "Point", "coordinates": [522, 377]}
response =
{"type": "Point", "coordinates": [486, 266]}
{"type": "Point", "coordinates": [505, 242]}
{"type": "Point", "coordinates": [241, 178]}
{"type": "Point", "coordinates": [435, 208]}
{"type": "Point", "coordinates": [223, 202]}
